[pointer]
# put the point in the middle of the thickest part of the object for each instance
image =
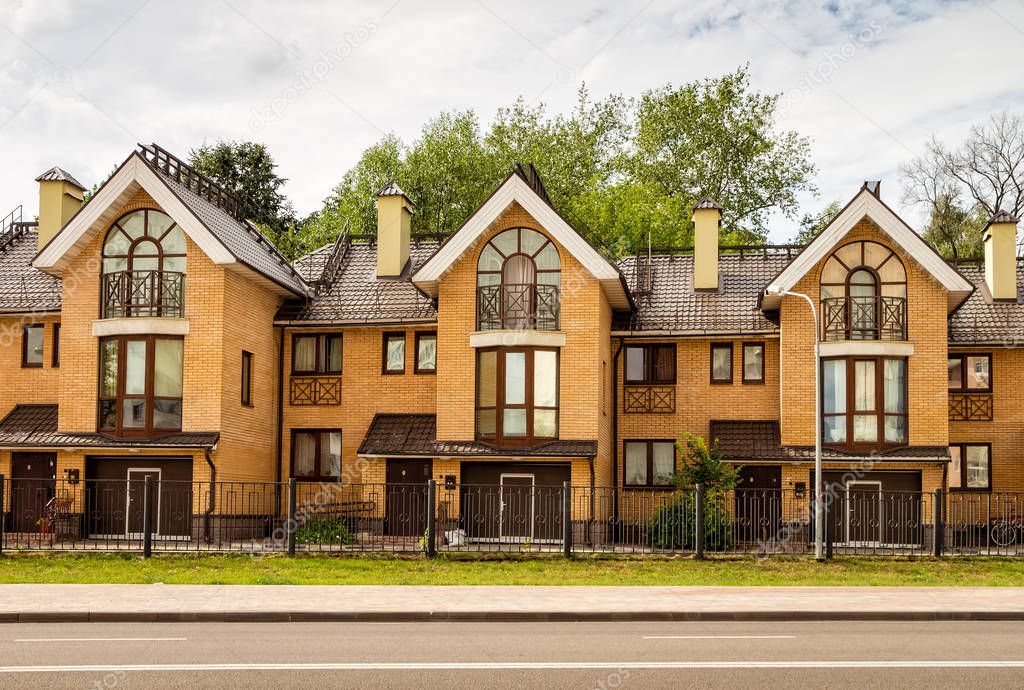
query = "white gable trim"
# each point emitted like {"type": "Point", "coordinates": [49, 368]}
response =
{"type": "Point", "coordinates": [76, 234]}
{"type": "Point", "coordinates": [515, 189]}
{"type": "Point", "coordinates": [867, 205]}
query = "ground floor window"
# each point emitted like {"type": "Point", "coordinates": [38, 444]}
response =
{"type": "Point", "coordinates": [970, 467]}
{"type": "Point", "coordinates": [316, 454]}
{"type": "Point", "coordinates": [649, 463]}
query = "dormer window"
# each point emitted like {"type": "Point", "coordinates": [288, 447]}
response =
{"type": "Point", "coordinates": [864, 294]}
{"type": "Point", "coordinates": [518, 277]}
{"type": "Point", "coordinates": [144, 267]}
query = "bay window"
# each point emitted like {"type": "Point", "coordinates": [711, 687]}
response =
{"type": "Point", "coordinates": [864, 402]}
{"type": "Point", "coordinates": [517, 395]}
{"type": "Point", "coordinates": [140, 385]}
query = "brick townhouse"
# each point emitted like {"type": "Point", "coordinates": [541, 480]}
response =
{"type": "Point", "coordinates": [155, 331]}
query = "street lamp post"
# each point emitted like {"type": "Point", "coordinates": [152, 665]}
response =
{"type": "Point", "coordinates": [819, 504]}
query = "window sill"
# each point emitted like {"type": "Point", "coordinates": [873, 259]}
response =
{"type": "Point", "coordinates": [523, 338]}
{"type": "Point", "coordinates": [138, 325]}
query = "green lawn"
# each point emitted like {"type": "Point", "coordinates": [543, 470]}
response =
{"type": "Point", "coordinates": [363, 570]}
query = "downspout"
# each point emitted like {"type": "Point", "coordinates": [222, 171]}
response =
{"type": "Point", "coordinates": [615, 432]}
{"type": "Point", "coordinates": [590, 519]}
{"type": "Point", "coordinates": [213, 496]}
{"type": "Point", "coordinates": [280, 422]}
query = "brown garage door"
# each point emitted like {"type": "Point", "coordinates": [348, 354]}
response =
{"type": "Point", "coordinates": [514, 502]}
{"type": "Point", "coordinates": [870, 508]}
{"type": "Point", "coordinates": [114, 496]}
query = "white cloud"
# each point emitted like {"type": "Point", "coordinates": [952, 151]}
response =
{"type": "Point", "coordinates": [87, 79]}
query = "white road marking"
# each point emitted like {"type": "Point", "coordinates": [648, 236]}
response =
{"type": "Point", "coordinates": [102, 639]}
{"type": "Point", "coordinates": [514, 665]}
{"type": "Point", "coordinates": [719, 637]}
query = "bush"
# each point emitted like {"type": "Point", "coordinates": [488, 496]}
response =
{"type": "Point", "coordinates": [672, 527]}
{"type": "Point", "coordinates": [322, 529]}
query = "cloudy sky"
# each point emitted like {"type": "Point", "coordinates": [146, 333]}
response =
{"type": "Point", "coordinates": [81, 81]}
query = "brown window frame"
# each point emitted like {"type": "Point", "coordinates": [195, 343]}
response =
{"type": "Point", "coordinates": [962, 356]}
{"type": "Point", "coordinates": [149, 430]}
{"type": "Point", "coordinates": [650, 463]}
{"type": "Point", "coordinates": [389, 335]}
{"type": "Point", "coordinates": [500, 406]}
{"type": "Point", "coordinates": [246, 382]}
{"type": "Point", "coordinates": [416, 367]}
{"type": "Point", "coordinates": [650, 358]}
{"type": "Point", "coordinates": [743, 362]}
{"type": "Point", "coordinates": [963, 473]}
{"type": "Point", "coordinates": [321, 435]}
{"type": "Point", "coordinates": [25, 364]}
{"type": "Point", "coordinates": [732, 373]}
{"type": "Point", "coordinates": [319, 356]}
{"type": "Point", "coordinates": [55, 352]}
{"type": "Point", "coordinates": [879, 411]}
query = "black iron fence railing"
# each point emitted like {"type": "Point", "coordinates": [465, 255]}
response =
{"type": "Point", "coordinates": [864, 318]}
{"type": "Point", "coordinates": [513, 307]}
{"type": "Point", "coordinates": [143, 294]}
{"type": "Point", "coordinates": [150, 515]}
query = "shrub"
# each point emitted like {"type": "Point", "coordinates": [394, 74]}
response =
{"type": "Point", "coordinates": [672, 527]}
{"type": "Point", "coordinates": [323, 529]}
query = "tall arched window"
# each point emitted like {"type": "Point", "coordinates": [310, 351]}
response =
{"type": "Point", "coordinates": [518, 276]}
{"type": "Point", "coordinates": [864, 293]}
{"type": "Point", "coordinates": [144, 266]}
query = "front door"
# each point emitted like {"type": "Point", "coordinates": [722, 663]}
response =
{"type": "Point", "coordinates": [517, 507]}
{"type": "Point", "coordinates": [33, 484]}
{"type": "Point", "coordinates": [864, 513]}
{"type": "Point", "coordinates": [759, 504]}
{"type": "Point", "coordinates": [136, 502]}
{"type": "Point", "coordinates": [407, 496]}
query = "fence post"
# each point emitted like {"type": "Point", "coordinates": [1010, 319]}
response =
{"type": "Point", "coordinates": [567, 519]}
{"type": "Point", "coordinates": [3, 514]}
{"type": "Point", "coordinates": [147, 517]}
{"type": "Point", "coordinates": [290, 524]}
{"type": "Point", "coordinates": [698, 522]}
{"type": "Point", "coordinates": [939, 528]}
{"type": "Point", "coordinates": [431, 518]}
{"type": "Point", "coordinates": [830, 528]}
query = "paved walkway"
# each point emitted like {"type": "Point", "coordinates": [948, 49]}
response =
{"type": "Point", "coordinates": [24, 603]}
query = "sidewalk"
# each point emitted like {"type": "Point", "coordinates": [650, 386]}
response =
{"type": "Point", "coordinates": [82, 603]}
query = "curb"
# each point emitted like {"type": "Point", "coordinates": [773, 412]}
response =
{"type": "Point", "coordinates": [494, 616]}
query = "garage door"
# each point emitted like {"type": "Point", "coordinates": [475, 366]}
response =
{"type": "Point", "coordinates": [876, 508]}
{"type": "Point", "coordinates": [512, 502]}
{"type": "Point", "coordinates": [115, 491]}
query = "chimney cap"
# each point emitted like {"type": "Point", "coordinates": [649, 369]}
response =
{"type": "Point", "coordinates": [392, 189]}
{"type": "Point", "coordinates": [874, 187]}
{"type": "Point", "coordinates": [707, 202]}
{"type": "Point", "coordinates": [1004, 217]}
{"type": "Point", "coordinates": [56, 174]}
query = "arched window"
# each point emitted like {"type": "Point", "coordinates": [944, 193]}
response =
{"type": "Point", "coordinates": [144, 266]}
{"type": "Point", "coordinates": [864, 293]}
{"type": "Point", "coordinates": [518, 276]}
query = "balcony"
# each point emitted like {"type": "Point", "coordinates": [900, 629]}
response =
{"type": "Point", "coordinates": [970, 407]}
{"type": "Point", "coordinates": [517, 307]}
{"type": "Point", "coordinates": [864, 318]}
{"type": "Point", "coordinates": [143, 294]}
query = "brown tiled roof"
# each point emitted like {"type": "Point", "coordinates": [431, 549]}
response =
{"type": "Point", "coordinates": [414, 434]}
{"type": "Point", "coordinates": [22, 287]}
{"type": "Point", "coordinates": [56, 174]}
{"type": "Point", "coordinates": [357, 295]}
{"type": "Point", "coordinates": [1004, 217]}
{"type": "Point", "coordinates": [980, 320]}
{"type": "Point", "coordinates": [35, 426]}
{"type": "Point", "coordinates": [742, 440]}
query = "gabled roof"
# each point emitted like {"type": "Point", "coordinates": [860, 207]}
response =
{"type": "Point", "coordinates": [23, 288]}
{"type": "Point", "coordinates": [224, 238]}
{"type": "Point", "coordinates": [517, 189]}
{"type": "Point", "coordinates": [866, 205]}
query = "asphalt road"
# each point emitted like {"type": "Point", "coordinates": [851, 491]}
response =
{"type": "Point", "coordinates": [512, 655]}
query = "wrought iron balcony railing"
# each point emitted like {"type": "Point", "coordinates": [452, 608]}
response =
{"type": "Point", "coordinates": [515, 307]}
{"type": "Point", "coordinates": [143, 294]}
{"type": "Point", "coordinates": [864, 318]}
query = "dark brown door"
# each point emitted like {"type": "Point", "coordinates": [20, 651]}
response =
{"type": "Point", "coordinates": [496, 503]}
{"type": "Point", "coordinates": [517, 507]}
{"type": "Point", "coordinates": [864, 512]}
{"type": "Point", "coordinates": [759, 503]}
{"type": "Point", "coordinates": [137, 501]}
{"type": "Point", "coordinates": [407, 496]}
{"type": "Point", "coordinates": [33, 484]}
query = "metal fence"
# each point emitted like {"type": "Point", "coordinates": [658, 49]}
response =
{"type": "Point", "coordinates": [146, 514]}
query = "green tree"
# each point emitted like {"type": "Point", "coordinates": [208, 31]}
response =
{"type": "Point", "coordinates": [703, 464]}
{"type": "Point", "coordinates": [813, 223]}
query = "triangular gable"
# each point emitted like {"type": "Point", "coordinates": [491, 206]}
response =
{"type": "Point", "coordinates": [135, 174]}
{"type": "Point", "coordinates": [515, 190]}
{"type": "Point", "coordinates": [867, 205]}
